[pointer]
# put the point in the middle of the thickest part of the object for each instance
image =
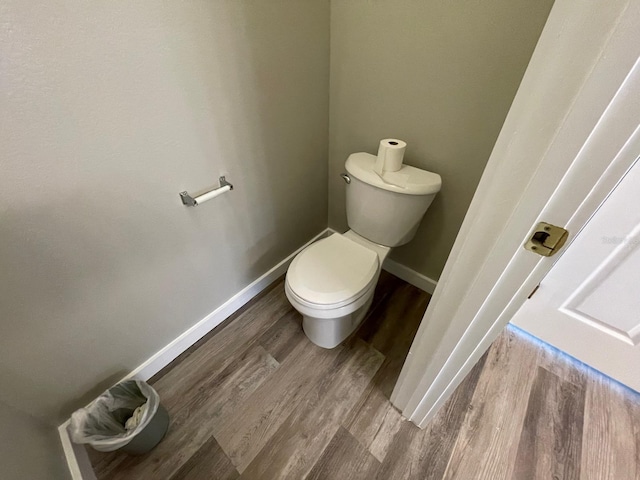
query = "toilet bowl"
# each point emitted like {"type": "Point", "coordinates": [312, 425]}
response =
{"type": "Point", "coordinates": [331, 282]}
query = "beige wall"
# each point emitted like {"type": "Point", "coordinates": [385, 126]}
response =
{"type": "Point", "coordinates": [29, 449]}
{"type": "Point", "coordinates": [109, 109]}
{"type": "Point", "coordinates": [440, 75]}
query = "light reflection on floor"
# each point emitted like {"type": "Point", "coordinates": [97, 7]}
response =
{"type": "Point", "coordinates": [589, 371]}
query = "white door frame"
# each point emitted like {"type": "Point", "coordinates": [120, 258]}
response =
{"type": "Point", "coordinates": [548, 164]}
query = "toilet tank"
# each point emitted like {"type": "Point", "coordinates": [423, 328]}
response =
{"type": "Point", "coordinates": [387, 209]}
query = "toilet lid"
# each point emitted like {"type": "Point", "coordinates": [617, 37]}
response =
{"type": "Point", "coordinates": [332, 270]}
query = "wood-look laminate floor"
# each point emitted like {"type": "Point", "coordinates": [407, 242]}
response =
{"type": "Point", "coordinates": [256, 400]}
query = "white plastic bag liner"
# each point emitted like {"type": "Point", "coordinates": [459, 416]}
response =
{"type": "Point", "coordinates": [101, 423]}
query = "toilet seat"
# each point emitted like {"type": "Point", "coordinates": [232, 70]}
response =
{"type": "Point", "coordinates": [332, 310]}
{"type": "Point", "coordinates": [332, 272]}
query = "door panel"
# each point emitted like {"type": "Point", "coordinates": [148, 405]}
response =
{"type": "Point", "coordinates": [589, 303]}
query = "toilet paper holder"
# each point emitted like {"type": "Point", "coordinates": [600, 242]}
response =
{"type": "Point", "coordinates": [190, 201]}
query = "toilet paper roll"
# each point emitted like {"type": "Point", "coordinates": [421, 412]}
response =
{"type": "Point", "coordinates": [390, 155]}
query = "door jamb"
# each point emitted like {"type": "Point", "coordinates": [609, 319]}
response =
{"type": "Point", "coordinates": [543, 163]}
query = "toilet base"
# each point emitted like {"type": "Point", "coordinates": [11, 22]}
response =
{"type": "Point", "coordinates": [331, 332]}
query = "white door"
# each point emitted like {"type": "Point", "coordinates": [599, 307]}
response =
{"type": "Point", "coordinates": [588, 305]}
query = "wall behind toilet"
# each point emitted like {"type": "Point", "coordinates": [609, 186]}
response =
{"type": "Point", "coordinates": [440, 75]}
{"type": "Point", "coordinates": [109, 109]}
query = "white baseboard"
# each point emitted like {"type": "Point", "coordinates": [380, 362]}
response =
{"type": "Point", "coordinates": [76, 455]}
{"type": "Point", "coordinates": [169, 353]}
{"type": "Point", "coordinates": [410, 276]}
{"type": "Point", "coordinates": [77, 458]}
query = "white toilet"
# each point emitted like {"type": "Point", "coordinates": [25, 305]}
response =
{"type": "Point", "coordinates": [331, 282]}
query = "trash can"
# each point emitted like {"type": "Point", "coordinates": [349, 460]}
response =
{"type": "Point", "coordinates": [126, 417]}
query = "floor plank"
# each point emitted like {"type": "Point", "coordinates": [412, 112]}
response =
{"type": "Point", "coordinates": [220, 350]}
{"type": "Point", "coordinates": [487, 443]}
{"type": "Point", "coordinates": [610, 448]}
{"type": "Point", "coordinates": [283, 336]}
{"type": "Point", "coordinates": [551, 440]}
{"type": "Point", "coordinates": [247, 430]}
{"type": "Point", "coordinates": [374, 422]}
{"type": "Point", "coordinates": [556, 361]}
{"type": "Point", "coordinates": [391, 424]}
{"type": "Point", "coordinates": [300, 440]}
{"type": "Point", "coordinates": [391, 328]}
{"type": "Point", "coordinates": [424, 454]}
{"type": "Point", "coordinates": [344, 458]}
{"type": "Point", "coordinates": [366, 417]}
{"type": "Point", "coordinates": [207, 463]}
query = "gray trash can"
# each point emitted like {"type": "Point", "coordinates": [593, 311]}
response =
{"type": "Point", "coordinates": [103, 423]}
{"type": "Point", "coordinates": [150, 435]}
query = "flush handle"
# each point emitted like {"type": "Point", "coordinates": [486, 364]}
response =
{"type": "Point", "coordinates": [546, 239]}
{"type": "Point", "coordinates": [346, 178]}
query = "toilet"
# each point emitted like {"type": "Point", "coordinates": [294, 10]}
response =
{"type": "Point", "coordinates": [332, 281]}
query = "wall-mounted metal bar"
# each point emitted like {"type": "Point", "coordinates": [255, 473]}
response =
{"type": "Point", "coordinates": [190, 201]}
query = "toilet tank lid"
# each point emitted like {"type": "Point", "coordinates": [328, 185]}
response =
{"type": "Point", "coordinates": [332, 270]}
{"type": "Point", "coordinates": [408, 180]}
